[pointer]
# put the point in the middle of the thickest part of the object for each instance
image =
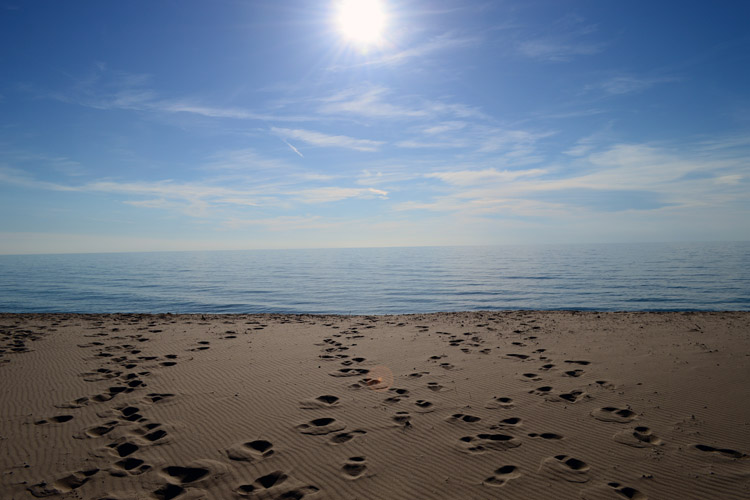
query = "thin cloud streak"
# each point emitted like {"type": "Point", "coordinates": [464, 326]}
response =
{"type": "Point", "coordinates": [324, 140]}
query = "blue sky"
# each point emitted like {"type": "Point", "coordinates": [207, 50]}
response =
{"type": "Point", "coordinates": [185, 125]}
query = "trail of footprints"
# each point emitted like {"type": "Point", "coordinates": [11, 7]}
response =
{"type": "Point", "coordinates": [121, 367]}
{"type": "Point", "coordinates": [559, 467]}
{"type": "Point", "coordinates": [125, 426]}
{"type": "Point", "coordinates": [500, 435]}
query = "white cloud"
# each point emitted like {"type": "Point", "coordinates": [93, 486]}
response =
{"type": "Point", "coordinates": [280, 223]}
{"type": "Point", "coordinates": [368, 103]}
{"type": "Point", "coordinates": [624, 84]}
{"type": "Point", "coordinates": [376, 102]}
{"type": "Point", "coordinates": [329, 194]}
{"type": "Point", "coordinates": [557, 50]}
{"type": "Point", "coordinates": [480, 177]}
{"type": "Point", "coordinates": [444, 127]}
{"type": "Point", "coordinates": [325, 140]}
{"type": "Point", "coordinates": [294, 149]}
{"type": "Point", "coordinates": [436, 44]}
{"type": "Point", "coordinates": [413, 144]}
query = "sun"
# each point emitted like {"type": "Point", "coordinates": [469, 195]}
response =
{"type": "Point", "coordinates": [361, 21]}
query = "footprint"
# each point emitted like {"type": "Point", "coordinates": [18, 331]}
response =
{"type": "Point", "coordinates": [573, 396]}
{"type": "Point", "coordinates": [604, 491]}
{"type": "Point", "coordinates": [531, 377]}
{"type": "Point", "coordinates": [63, 485]}
{"type": "Point", "coordinates": [612, 414]}
{"type": "Point", "coordinates": [726, 452]}
{"type": "Point", "coordinates": [354, 467]}
{"type": "Point", "coordinates": [605, 384]}
{"type": "Point", "coordinates": [130, 413]}
{"type": "Point", "coordinates": [153, 397]}
{"type": "Point", "coordinates": [59, 419]}
{"type": "Point", "coordinates": [499, 402]}
{"type": "Point", "coordinates": [280, 483]}
{"type": "Point", "coordinates": [460, 417]}
{"type": "Point", "coordinates": [151, 432]}
{"type": "Point", "coordinates": [545, 435]}
{"type": "Point", "coordinates": [484, 442]}
{"type": "Point", "coordinates": [325, 401]}
{"type": "Point", "coordinates": [542, 391]}
{"type": "Point", "coordinates": [321, 426]}
{"type": "Point", "coordinates": [168, 492]}
{"type": "Point", "coordinates": [123, 449]}
{"type": "Point", "coordinates": [508, 422]}
{"type": "Point", "coordinates": [577, 362]}
{"type": "Point", "coordinates": [132, 466]}
{"type": "Point", "coordinates": [344, 437]}
{"type": "Point", "coordinates": [185, 475]}
{"type": "Point", "coordinates": [519, 356]}
{"type": "Point", "coordinates": [250, 451]}
{"type": "Point", "coordinates": [566, 468]}
{"type": "Point", "coordinates": [502, 475]}
{"type": "Point", "coordinates": [424, 405]}
{"type": "Point", "coordinates": [574, 373]}
{"type": "Point", "coordinates": [434, 386]}
{"type": "Point", "coordinates": [97, 430]}
{"type": "Point", "coordinates": [349, 372]}
{"type": "Point", "coordinates": [402, 418]}
{"type": "Point", "coordinates": [639, 437]}
{"type": "Point", "coordinates": [446, 366]}
{"type": "Point", "coordinates": [78, 403]}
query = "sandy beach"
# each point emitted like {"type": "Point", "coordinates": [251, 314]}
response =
{"type": "Point", "coordinates": [513, 405]}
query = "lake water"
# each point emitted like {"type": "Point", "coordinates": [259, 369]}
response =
{"type": "Point", "coordinates": [643, 277]}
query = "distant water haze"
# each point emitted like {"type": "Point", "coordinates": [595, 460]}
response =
{"type": "Point", "coordinates": [629, 277]}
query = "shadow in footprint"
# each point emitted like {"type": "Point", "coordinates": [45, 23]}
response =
{"type": "Point", "coordinates": [499, 402]}
{"type": "Point", "coordinates": [612, 414]}
{"type": "Point", "coordinates": [320, 426]}
{"type": "Point", "coordinates": [725, 452]}
{"type": "Point", "coordinates": [606, 491]}
{"type": "Point", "coordinates": [345, 437]}
{"type": "Point", "coordinates": [566, 468]}
{"type": "Point", "coordinates": [250, 451]}
{"type": "Point", "coordinates": [461, 417]}
{"type": "Point", "coordinates": [639, 437]}
{"type": "Point", "coordinates": [484, 442]}
{"type": "Point", "coordinates": [281, 487]}
{"type": "Point", "coordinates": [325, 401]}
{"type": "Point", "coordinates": [502, 476]}
{"type": "Point", "coordinates": [354, 467]}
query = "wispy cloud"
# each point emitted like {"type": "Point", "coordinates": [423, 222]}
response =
{"type": "Point", "coordinates": [618, 178]}
{"type": "Point", "coordinates": [330, 194]}
{"type": "Point", "coordinates": [293, 148]}
{"type": "Point", "coordinates": [378, 102]}
{"type": "Point", "coordinates": [367, 103]}
{"type": "Point", "coordinates": [280, 223]}
{"type": "Point", "coordinates": [569, 38]}
{"type": "Point", "coordinates": [324, 140]}
{"type": "Point", "coordinates": [626, 84]}
{"type": "Point", "coordinates": [556, 50]}
{"type": "Point", "coordinates": [420, 51]}
{"type": "Point", "coordinates": [478, 177]}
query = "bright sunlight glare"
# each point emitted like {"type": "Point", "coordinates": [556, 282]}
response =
{"type": "Point", "coordinates": [361, 21]}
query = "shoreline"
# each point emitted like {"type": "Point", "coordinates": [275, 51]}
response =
{"type": "Point", "coordinates": [518, 404]}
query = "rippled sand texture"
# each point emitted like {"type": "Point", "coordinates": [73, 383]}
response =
{"type": "Point", "coordinates": [436, 406]}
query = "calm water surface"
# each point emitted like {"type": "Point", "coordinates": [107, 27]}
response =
{"type": "Point", "coordinates": [709, 276]}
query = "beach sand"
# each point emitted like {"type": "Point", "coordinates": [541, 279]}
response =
{"type": "Point", "coordinates": [512, 405]}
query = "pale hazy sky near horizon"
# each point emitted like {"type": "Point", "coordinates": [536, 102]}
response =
{"type": "Point", "coordinates": [228, 124]}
